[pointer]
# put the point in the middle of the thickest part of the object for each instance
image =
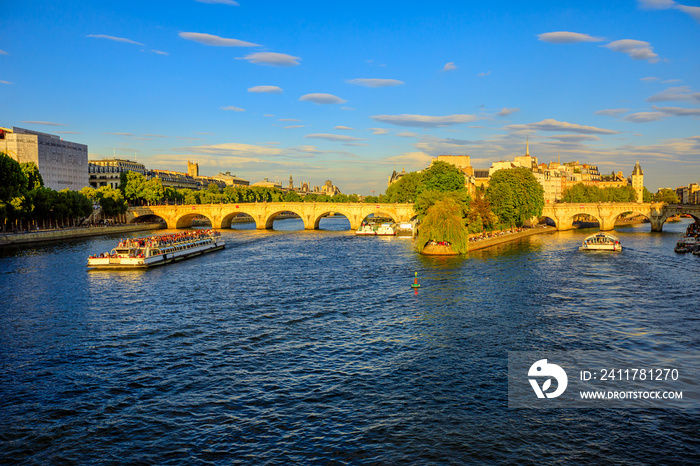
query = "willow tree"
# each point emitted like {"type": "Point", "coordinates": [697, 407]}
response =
{"type": "Point", "coordinates": [444, 222]}
{"type": "Point", "coordinates": [515, 196]}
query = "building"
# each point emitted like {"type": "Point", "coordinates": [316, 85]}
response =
{"type": "Point", "coordinates": [329, 189]}
{"type": "Point", "coordinates": [396, 177]}
{"type": "Point", "coordinates": [637, 182]}
{"type": "Point", "coordinates": [192, 169]}
{"type": "Point", "coordinates": [107, 172]}
{"type": "Point", "coordinates": [62, 164]}
{"type": "Point", "coordinates": [689, 194]}
{"type": "Point", "coordinates": [229, 179]}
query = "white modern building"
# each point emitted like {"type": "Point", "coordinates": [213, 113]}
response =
{"type": "Point", "coordinates": [62, 164]}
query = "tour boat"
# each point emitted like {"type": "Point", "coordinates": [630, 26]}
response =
{"type": "Point", "coordinates": [685, 244]}
{"type": "Point", "coordinates": [405, 230]}
{"type": "Point", "coordinates": [386, 229]}
{"type": "Point", "coordinates": [143, 253]}
{"type": "Point", "coordinates": [366, 230]}
{"type": "Point", "coordinates": [601, 241]}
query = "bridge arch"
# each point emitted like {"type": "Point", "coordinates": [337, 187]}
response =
{"type": "Point", "coordinates": [270, 220]}
{"type": "Point", "coordinates": [319, 217]}
{"type": "Point", "coordinates": [185, 220]}
{"type": "Point", "coordinates": [380, 214]}
{"type": "Point", "coordinates": [615, 216]}
{"type": "Point", "coordinates": [227, 219]}
{"type": "Point", "coordinates": [569, 220]}
{"type": "Point", "coordinates": [148, 218]}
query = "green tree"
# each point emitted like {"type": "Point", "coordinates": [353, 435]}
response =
{"type": "Point", "coordinates": [153, 191]}
{"type": "Point", "coordinates": [406, 189]}
{"type": "Point", "coordinates": [426, 199]}
{"type": "Point", "coordinates": [647, 196]}
{"type": "Point", "coordinates": [133, 186]}
{"type": "Point", "coordinates": [292, 196]}
{"type": "Point", "coordinates": [13, 181]}
{"type": "Point", "coordinates": [515, 196]}
{"type": "Point", "coordinates": [371, 199]}
{"type": "Point", "coordinates": [441, 176]}
{"type": "Point", "coordinates": [667, 195]}
{"type": "Point", "coordinates": [111, 201]}
{"type": "Point", "coordinates": [443, 222]}
{"type": "Point", "coordinates": [34, 179]}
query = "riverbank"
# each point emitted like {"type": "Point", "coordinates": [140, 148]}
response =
{"type": "Point", "coordinates": [73, 233]}
{"type": "Point", "coordinates": [487, 243]}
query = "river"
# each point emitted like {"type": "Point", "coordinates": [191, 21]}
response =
{"type": "Point", "coordinates": [310, 347]}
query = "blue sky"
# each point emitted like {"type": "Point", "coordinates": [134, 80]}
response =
{"type": "Point", "coordinates": [349, 91]}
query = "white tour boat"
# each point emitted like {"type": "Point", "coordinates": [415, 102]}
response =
{"type": "Point", "coordinates": [601, 241]}
{"type": "Point", "coordinates": [366, 229]}
{"type": "Point", "coordinates": [686, 244]}
{"type": "Point", "coordinates": [386, 229]}
{"type": "Point", "coordinates": [405, 230]}
{"type": "Point", "coordinates": [142, 253]}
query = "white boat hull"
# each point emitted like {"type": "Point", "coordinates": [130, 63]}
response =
{"type": "Point", "coordinates": [153, 261]}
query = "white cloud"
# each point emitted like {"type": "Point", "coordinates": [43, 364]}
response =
{"type": "Point", "coordinates": [408, 134]}
{"type": "Point", "coordinates": [575, 138]}
{"type": "Point", "coordinates": [507, 111]}
{"type": "Point", "coordinates": [375, 82]}
{"type": "Point", "coordinates": [565, 37]}
{"type": "Point", "coordinates": [113, 134]}
{"type": "Point", "coordinates": [482, 74]}
{"type": "Point", "coordinates": [346, 128]}
{"type": "Point", "coordinates": [46, 123]}
{"type": "Point", "coordinates": [322, 99]}
{"type": "Point", "coordinates": [680, 94]}
{"type": "Point", "coordinates": [216, 41]}
{"type": "Point", "coordinates": [237, 149]}
{"type": "Point", "coordinates": [671, 81]}
{"type": "Point", "coordinates": [644, 117]}
{"type": "Point", "coordinates": [412, 160]}
{"type": "Point", "coordinates": [287, 119]}
{"type": "Point", "coordinates": [221, 2]}
{"type": "Point", "coordinates": [424, 121]}
{"type": "Point", "coordinates": [693, 11]}
{"type": "Point", "coordinates": [637, 49]}
{"type": "Point", "coordinates": [449, 66]}
{"type": "Point", "coordinates": [68, 132]}
{"type": "Point", "coordinates": [333, 137]}
{"type": "Point", "coordinates": [159, 52]}
{"type": "Point", "coordinates": [649, 79]}
{"type": "Point", "coordinates": [294, 126]}
{"type": "Point", "coordinates": [268, 115]}
{"type": "Point", "coordinates": [271, 59]}
{"type": "Point", "coordinates": [265, 89]}
{"type": "Point", "coordinates": [613, 112]}
{"type": "Point", "coordinates": [116, 39]}
{"type": "Point", "coordinates": [231, 108]}
{"type": "Point", "coordinates": [378, 131]}
{"type": "Point", "coordinates": [554, 125]}
{"type": "Point", "coordinates": [2, 52]}
{"type": "Point", "coordinates": [678, 111]}
{"type": "Point", "coordinates": [5, 82]}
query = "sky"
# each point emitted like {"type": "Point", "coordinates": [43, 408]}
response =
{"type": "Point", "coordinates": [349, 91]}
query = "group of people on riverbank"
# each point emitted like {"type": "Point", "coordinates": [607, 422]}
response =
{"type": "Point", "coordinates": [497, 234]}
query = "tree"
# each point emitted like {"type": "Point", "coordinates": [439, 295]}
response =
{"type": "Point", "coordinates": [480, 216]}
{"type": "Point", "coordinates": [427, 199]}
{"type": "Point", "coordinates": [441, 176]}
{"type": "Point", "coordinates": [404, 190]}
{"type": "Point", "coordinates": [443, 222]}
{"type": "Point", "coordinates": [515, 196]}
{"type": "Point", "coordinates": [34, 179]}
{"type": "Point", "coordinates": [647, 196]}
{"type": "Point", "coordinates": [667, 195]}
{"type": "Point", "coordinates": [292, 196]}
{"type": "Point", "coordinates": [13, 181]}
{"type": "Point", "coordinates": [133, 188]}
{"type": "Point", "coordinates": [153, 190]}
{"type": "Point", "coordinates": [111, 201]}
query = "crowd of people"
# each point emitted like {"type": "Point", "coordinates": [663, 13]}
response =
{"type": "Point", "coordinates": [160, 241]}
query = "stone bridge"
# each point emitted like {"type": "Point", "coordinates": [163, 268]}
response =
{"type": "Point", "coordinates": [264, 213]}
{"type": "Point", "coordinates": [607, 213]}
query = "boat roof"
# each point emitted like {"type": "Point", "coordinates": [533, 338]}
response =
{"type": "Point", "coordinates": [605, 234]}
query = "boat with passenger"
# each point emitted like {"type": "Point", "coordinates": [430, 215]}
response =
{"type": "Point", "coordinates": [601, 241]}
{"type": "Point", "coordinates": [143, 253]}
{"type": "Point", "coordinates": [386, 229]}
{"type": "Point", "coordinates": [366, 229]}
{"type": "Point", "coordinates": [689, 242]}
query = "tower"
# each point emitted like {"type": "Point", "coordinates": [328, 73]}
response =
{"type": "Point", "coordinates": [291, 183]}
{"type": "Point", "coordinates": [192, 169]}
{"type": "Point", "coordinates": [638, 182]}
{"type": "Point", "coordinates": [527, 146]}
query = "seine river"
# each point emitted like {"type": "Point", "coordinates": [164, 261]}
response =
{"type": "Point", "coordinates": [311, 347]}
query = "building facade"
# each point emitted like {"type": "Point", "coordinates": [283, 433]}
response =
{"type": "Point", "coordinates": [107, 172]}
{"type": "Point", "coordinates": [62, 164]}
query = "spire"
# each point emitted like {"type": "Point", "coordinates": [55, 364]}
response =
{"type": "Point", "coordinates": [527, 146]}
{"type": "Point", "coordinates": [559, 157]}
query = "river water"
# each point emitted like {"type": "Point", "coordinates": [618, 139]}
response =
{"type": "Point", "coordinates": [310, 347]}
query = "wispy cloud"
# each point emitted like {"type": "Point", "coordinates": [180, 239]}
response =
{"type": "Point", "coordinates": [333, 137]}
{"type": "Point", "coordinates": [565, 37]}
{"type": "Point", "coordinates": [637, 49]}
{"type": "Point", "coordinates": [220, 2]}
{"type": "Point", "coordinates": [679, 94]}
{"type": "Point", "coordinates": [507, 111]}
{"type": "Point", "coordinates": [265, 89]}
{"type": "Point", "coordinates": [449, 66]}
{"type": "Point", "coordinates": [554, 125]}
{"type": "Point", "coordinates": [693, 11]}
{"type": "Point", "coordinates": [424, 121]}
{"type": "Point", "coordinates": [408, 134]}
{"type": "Point", "coordinates": [115, 39]}
{"type": "Point", "coordinates": [271, 59]}
{"type": "Point", "coordinates": [378, 131]}
{"type": "Point", "coordinates": [45, 123]}
{"type": "Point", "coordinates": [346, 128]}
{"type": "Point", "coordinates": [671, 81]}
{"type": "Point", "coordinates": [160, 52]}
{"type": "Point", "coordinates": [215, 41]}
{"type": "Point", "coordinates": [293, 126]}
{"type": "Point", "coordinates": [5, 82]}
{"type": "Point", "coordinates": [575, 138]}
{"type": "Point", "coordinates": [120, 134]}
{"type": "Point", "coordinates": [612, 112]}
{"type": "Point", "coordinates": [322, 99]}
{"type": "Point", "coordinates": [231, 108]}
{"type": "Point", "coordinates": [649, 79]}
{"type": "Point", "coordinates": [375, 82]}
{"type": "Point", "coordinates": [2, 52]}
{"type": "Point", "coordinates": [644, 117]}
{"type": "Point", "coordinates": [67, 132]}
{"type": "Point", "coordinates": [287, 119]}
{"type": "Point", "coordinates": [483, 73]}
{"type": "Point", "coordinates": [678, 111]}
